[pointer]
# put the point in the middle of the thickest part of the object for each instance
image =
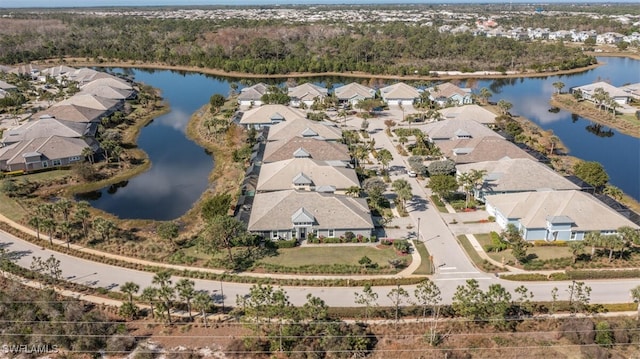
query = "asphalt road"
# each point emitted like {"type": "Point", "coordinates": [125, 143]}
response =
{"type": "Point", "coordinates": [453, 266]}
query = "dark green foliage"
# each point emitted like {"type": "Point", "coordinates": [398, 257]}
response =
{"type": "Point", "coordinates": [286, 244]}
{"type": "Point", "coordinates": [32, 317]}
{"type": "Point", "coordinates": [445, 167]}
{"type": "Point", "coordinates": [443, 185]}
{"type": "Point", "coordinates": [217, 205]}
{"type": "Point", "coordinates": [591, 172]}
{"type": "Point", "coordinates": [216, 101]}
{"type": "Point", "coordinates": [168, 230]}
{"type": "Point", "coordinates": [604, 336]}
{"type": "Point", "coordinates": [402, 246]}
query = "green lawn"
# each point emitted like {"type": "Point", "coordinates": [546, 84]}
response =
{"type": "Point", "coordinates": [296, 257]}
{"type": "Point", "coordinates": [425, 267]}
{"type": "Point", "coordinates": [480, 263]}
{"type": "Point", "coordinates": [541, 253]}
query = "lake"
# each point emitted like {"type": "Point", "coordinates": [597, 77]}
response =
{"type": "Point", "coordinates": [180, 168]}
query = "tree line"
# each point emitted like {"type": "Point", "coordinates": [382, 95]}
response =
{"type": "Point", "coordinates": [270, 47]}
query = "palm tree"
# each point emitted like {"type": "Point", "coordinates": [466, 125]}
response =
{"type": "Point", "coordinates": [635, 294]}
{"type": "Point", "coordinates": [466, 182]}
{"type": "Point", "coordinates": [65, 231]}
{"type": "Point", "coordinates": [186, 291]}
{"type": "Point", "coordinates": [593, 239]}
{"type": "Point", "coordinates": [165, 290]}
{"type": "Point", "coordinates": [149, 295]}
{"type": "Point", "coordinates": [82, 215]}
{"type": "Point", "coordinates": [64, 206]}
{"type": "Point", "coordinates": [88, 153]}
{"type": "Point", "coordinates": [576, 248]}
{"type": "Point", "coordinates": [559, 85]}
{"type": "Point", "coordinates": [202, 302]}
{"type": "Point", "coordinates": [129, 288]}
{"type": "Point", "coordinates": [403, 189]}
{"type": "Point", "coordinates": [353, 191]}
{"type": "Point", "coordinates": [343, 114]}
{"type": "Point", "coordinates": [49, 226]}
{"type": "Point", "coordinates": [104, 228]}
{"type": "Point", "coordinates": [36, 221]}
{"type": "Point", "coordinates": [504, 106]}
{"type": "Point", "coordinates": [485, 94]}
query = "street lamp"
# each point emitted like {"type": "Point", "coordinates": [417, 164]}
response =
{"type": "Point", "coordinates": [418, 235]}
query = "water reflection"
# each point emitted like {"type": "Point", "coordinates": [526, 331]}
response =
{"type": "Point", "coordinates": [599, 130]}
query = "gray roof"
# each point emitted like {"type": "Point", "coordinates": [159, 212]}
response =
{"type": "Point", "coordinates": [106, 91]}
{"type": "Point", "coordinates": [91, 101]}
{"type": "Point", "coordinates": [6, 86]}
{"type": "Point", "coordinates": [295, 128]}
{"type": "Point", "coordinates": [608, 88]}
{"type": "Point", "coordinates": [46, 127]}
{"type": "Point", "coordinates": [51, 148]}
{"type": "Point", "coordinates": [314, 148]}
{"type": "Point", "coordinates": [533, 209]}
{"type": "Point", "coordinates": [266, 113]}
{"type": "Point", "coordinates": [400, 91]}
{"type": "Point", "coordinates": [489, 148]}
{"type": "Point", "coordinates": [110, 81]}
{"type": "Point", "coordinates": [73, 113]}
{"type": "Point", "coordinates": [518, 174]}
{"type": "Point", "coordinates": [307, 92]}
{"type": "Point", "coordinates": [302, 216]}
{"type": "Point", "coordinates": [453, 128]}
{"type": "Point", "coordinates": [274, 210]}
{"type": "Point", "coordinates": [253, 93]}
{"type": "Point", "coordinates": [281, 175]}
{"type": "Point", "coordinates": [469, 112]}
{"type": "Point", "coordinates": [448, 90]}
{"type": "Point", "coordinates": [354, 90]}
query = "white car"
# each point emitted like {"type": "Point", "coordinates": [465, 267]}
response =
{"type": "Point", "coordinates": [412, 174]}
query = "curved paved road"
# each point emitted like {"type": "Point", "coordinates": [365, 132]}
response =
{"type": "Point", "coordinates": [453, 266]}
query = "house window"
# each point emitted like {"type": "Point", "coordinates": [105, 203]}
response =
{"type": "Point", "coordinates": [56, 162]}
{"type": "Point", "coordinates": [274, 235]}
{"type": "Point", "coordinates": [331, 233]}
{"type": "Point", "coordinates": [45, 164]}
{"type": "Point", "coordinates": [574, 235]}
{"type": "Point", "coordinates": [74, 158]}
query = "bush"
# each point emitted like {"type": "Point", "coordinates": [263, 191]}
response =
{"type": "Point", "coordinates": [402, 246]}
{"type": "Point", "coordinates": [602, 274]}
{"type": "Point", "coordinates": [525, 277]}
{"type": "Point", "coordinates": [543, 243]}
{"type": "Point", "coordinates": [286, 243]}
{"type": "Point", "coordinates": [604, 336]}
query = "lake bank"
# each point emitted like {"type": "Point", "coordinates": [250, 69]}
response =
{"type": "Point", "coordinates": [352, 74]}
{"type": "Point", "coordinates": [587, 110]}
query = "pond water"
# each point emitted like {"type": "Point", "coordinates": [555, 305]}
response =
{"type": "Point", "coordinates": [180, 168]}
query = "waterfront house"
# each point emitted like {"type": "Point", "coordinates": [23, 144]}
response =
{"type": "Point", "coordinates": [44, 152]}
{"type": "Point", "coordinates": [252, 96]}
{"type": "Point", "coordinates": [48, 126]}
{"type": "Point", "coordinates": [447, 94]}
{"type": "Point", "coordinates": [399, 94]}
{"type": "Point", "coordinates": [306, 174]}
{"type": "Point", "coordinates": [512, 175]}
{"type": "Point", "coordinates": [587, 92]}
{"type": "Point", "coordinates": [479, 149]}
{"type": "Point", "coordinates": [455, 129]}
{"type": "Point", "coordinates": [108, 106]}
{"type": "Point", "coordinates": [296, 214]}
{"type": "Point", "coordinates": [72, 113]}
{"type": "Point", "coordinates": [297, 147]}
{"type": "Point", "coordinates": [306, 94]}
{"type": "Point", "coordinates": [269, 115]}
{"type": "Point", "coordinates": [555, 215]}
{"type": "Point", "coordinates": [353, 93]}
{"type": "Point", "coordinates": [471, 112]}
{"type": "Point", "coordinates": [302, 127]}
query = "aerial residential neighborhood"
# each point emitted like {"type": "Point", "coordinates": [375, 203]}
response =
{"type": "Point", "coordinates": [329, 180]}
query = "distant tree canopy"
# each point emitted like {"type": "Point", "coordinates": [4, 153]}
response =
{"type": "Point", "coordinates": [591, 172]}
{"type": "Point", "coordinates": [272, 47]}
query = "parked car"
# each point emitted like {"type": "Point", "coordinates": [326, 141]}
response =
{"type": "Point", "coordinates": [412, 174]}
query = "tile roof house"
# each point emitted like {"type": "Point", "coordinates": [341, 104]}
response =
{"type": "Point", "coordinates": [72, 113]}
{"type": "Point", "coordinates": [110, 88]}
{"type": "Point", "coordinates": [450, 94]}
{"type": "Point", "coordinates": [252, 96]}
{"type": "Point", "coordinates": [296, 214]}
{"type": "Point", "coordinates": [587, 92]}
{"type": "Point", "coordinates": [48, 126]}
{"type": "Point", "coordinates": [305, 174]}
{"type": "Point", "coordinates": [510, 175]}
{"type": "Point", "coordinates": [85, 75]}
{"type": "Point", "coordinates": [44, 152]}
{"type": "Point", "coordinates": [456, 129]}
{"type": "Point", "coordinates": [632, 89]}
{"type": "Point", "coordinates": [92, 101]}
{"type": "Point", "coordinates": [353, 92]}
{"type": "Point", "coordinates": [270, 115]}
{"type": "Point", "coordinates": [551, 215]}
{"type": "Point", "coordinates": [306, 93]}
{"type": "Point", "coordinates": [111, 81]}
{"type": "Point", "coordinates": [399, 94]}
{"type": "Point", "coordinates": [490, 148]}
{"type": "Point", "coordinates": [302, 127]}
{"type": "Point", "coordinates": [471, 113]}
{"type": "Point", "coordinates": [305, 147]}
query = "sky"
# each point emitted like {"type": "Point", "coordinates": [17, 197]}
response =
{"type": "Point", "coordinates": [98, 3]}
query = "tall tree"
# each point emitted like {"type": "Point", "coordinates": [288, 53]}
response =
{"type": "Point", "coordinates": [442, 185]}
{"type": "Point", "coordinates": [591, 172]}
{"type": "Point", "coordinates": [397, 296]}
{"type": "Point", "coordinates": [428, 295]}
{"type": "Point", "coordinates": [150, 295]}
{"type": "Point", "coordinates": [202, 302]}
{"type": "Point", "coordinates": [485, 94]}
{"type": "Point", "coordinates": [225, 232]}
{"type": "Point", "coordinates": [186, 291]}
{"type": "Point", "coordinates": [216, 101]}
{"type": "Point", "coordinates": [368, 298]}
{"type": "Point", "coordinates": [559, 85]}
{"type": "Point", "coordinates": [165, 292]}
{"type": "Point", "coordinates": [403, 189]}
{"type": "Point", "coordinates": [82, 215]}
{"type": "Point", "coordinates": [635, 295]}
{"type": "Point", "coordinates": [130, 288]}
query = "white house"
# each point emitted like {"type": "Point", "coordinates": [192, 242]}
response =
{"type": "Point", "coordinates": [306, 93]}
{"type": "Point", "coordinates": [399, 94]}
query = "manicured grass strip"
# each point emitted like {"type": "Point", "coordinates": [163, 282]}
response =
{"type": "Point", "coordinates": [438, 203]}
{"type": "Point", "coordinates": [426, 267]}
{"type": "Point", "coordinates": [480, 263]}
{"type": "Point", "coordinates": [300, 256]}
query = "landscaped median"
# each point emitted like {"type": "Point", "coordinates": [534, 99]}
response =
{"type": "Point", "coordinates": [215, 274]}
{"type": "Point", "coordinates": [555, 258]}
